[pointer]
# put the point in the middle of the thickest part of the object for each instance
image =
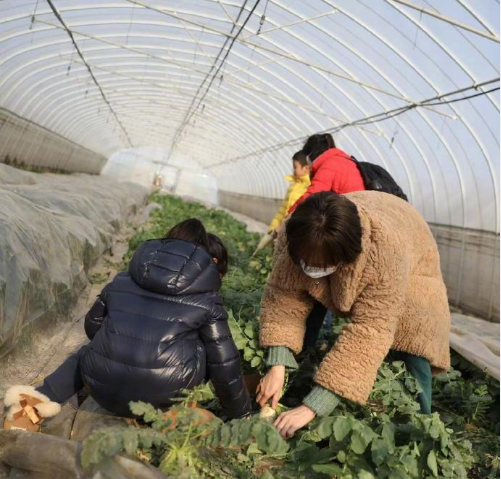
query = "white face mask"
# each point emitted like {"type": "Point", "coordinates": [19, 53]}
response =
{"type": "Point", "coordinates": [316, 273]}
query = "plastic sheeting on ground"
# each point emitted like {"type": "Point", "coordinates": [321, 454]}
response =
{"type": "Point", "coordinates": [476, 340]}
{"type": "Point", "coordinates": [52, 229]}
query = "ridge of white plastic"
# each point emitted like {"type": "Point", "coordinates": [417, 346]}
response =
{"type": "Point", "coordinates": [472, 131]}
{"type": "Point", "coordinates": [270, 50]}
{"type": "Point", "coordinates": [477, 17]}
{"type": "Point", "coordinates": [452, 21]}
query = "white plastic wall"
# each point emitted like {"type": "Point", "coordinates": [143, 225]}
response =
{"type": "Point", "coordinates": [138, 165]}
{"type": "Point", "coordinates": [197, 185]}
{"type": "Point", "coordinates": [25, 143]}
{"type": "Point", "coordinates": [170, 176]}
{"type": "Point", "coordinates": [183, 177]}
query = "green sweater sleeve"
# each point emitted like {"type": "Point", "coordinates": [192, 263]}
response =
{"type": "Point", "coordinates": [321, 401]}
{"type": "Point", "coordinates": [281, 355]}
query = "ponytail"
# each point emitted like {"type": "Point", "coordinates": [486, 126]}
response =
{"type": "Point", "coordinates": [330, 141]}
{"type": "Point", "coordinates": [317, 144]}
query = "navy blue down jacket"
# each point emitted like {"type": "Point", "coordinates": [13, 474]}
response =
{"type": "Point", "coordinates": [161, 328]}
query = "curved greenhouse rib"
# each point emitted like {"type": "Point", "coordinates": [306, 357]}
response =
{"type": "Point", "coordinates": [293, 70]}
{"type": "Point", "coordinates": [115, 44]}
{"type": "Point", "coordinates": [489, 35]}
{"type": "Point", "coordinates": [470, 128]}
{"type": "Point", "coordinates": [472, 12]}
{"type": "Point", "coordinates": [75, 45]}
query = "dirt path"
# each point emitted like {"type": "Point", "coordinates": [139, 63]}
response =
{"type": "Point", "coordinates": [253, 225]}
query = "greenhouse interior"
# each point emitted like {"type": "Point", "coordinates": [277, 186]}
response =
{"type": "Point", "coordinates": [249, 239]}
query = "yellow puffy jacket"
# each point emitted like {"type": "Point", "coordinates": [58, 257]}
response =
{"type": "Point", "coordinates": [296, 190]}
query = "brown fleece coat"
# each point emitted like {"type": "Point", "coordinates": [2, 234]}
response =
{"type": "Point", "coordinates": [394, 293]}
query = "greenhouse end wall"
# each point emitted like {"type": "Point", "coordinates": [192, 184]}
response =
{"type": "Point", "coordinates": [24, 143]}
{"type": "Point", "coordinates": [469, 258]}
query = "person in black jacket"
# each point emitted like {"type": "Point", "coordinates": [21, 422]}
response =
{"type": "Point", "coordinates": [158, 329]}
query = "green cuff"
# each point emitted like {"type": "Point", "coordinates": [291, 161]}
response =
{"type": "Point", "coordinates": [321, 401]}
{"type": "Point", "coordinates": [281, 355]}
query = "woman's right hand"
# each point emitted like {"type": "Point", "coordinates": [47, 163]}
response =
{"type": "Point", "coordinates": [271, 386]}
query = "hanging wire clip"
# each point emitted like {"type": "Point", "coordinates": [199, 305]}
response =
{"type": "Point", "coordinates": [261, 23]}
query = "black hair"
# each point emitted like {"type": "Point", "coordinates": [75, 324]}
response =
{"type": "Point", "coordinates": [317, 144]}
{"type": "Point", "coordinates": [301, 158]}
{"type": "Point", "coordinates": [325, 231]}
{"type": "Point", "coordinates": [218, 250]}
{"type": "Point", "coordinates": [191, 230]}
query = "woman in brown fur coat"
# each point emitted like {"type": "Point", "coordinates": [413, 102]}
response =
{"type": "Point", "coordinates": [371, 256]}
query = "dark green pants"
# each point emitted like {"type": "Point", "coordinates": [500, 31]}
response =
{"type": "Point", "coordinates": [314, 324]}
{"type": "Point", "coordinates": [420, 368]}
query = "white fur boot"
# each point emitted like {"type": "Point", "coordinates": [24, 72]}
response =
{"type": "Point", "coordinates": [26, 408]}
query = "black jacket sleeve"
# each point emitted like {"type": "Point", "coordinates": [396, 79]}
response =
{"type": "Point", "coordinates": [223, 364]}
{"type": "Point", "coordinates": [95, 317]}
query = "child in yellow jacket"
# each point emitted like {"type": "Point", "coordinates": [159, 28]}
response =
{"type": "Point", "coordinates": [300, 181]}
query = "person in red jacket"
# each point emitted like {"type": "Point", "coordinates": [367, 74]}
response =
{"type": "Point", "coordinates": [332, 168]}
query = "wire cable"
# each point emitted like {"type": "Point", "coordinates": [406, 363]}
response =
{"type": "Point", "coordinates": [464, 98]}
{"type": "Point", "coordinates": [375, 118]}
{"type": "Point", "coordinates": [94, 79]}
{"type": "Point", "coordinates": [192, 109]}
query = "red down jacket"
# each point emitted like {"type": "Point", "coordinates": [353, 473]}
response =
{"type": "Point", "coordinates": [333, 171]}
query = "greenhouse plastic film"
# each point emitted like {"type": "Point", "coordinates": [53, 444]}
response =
{"type": "Point", "coordinates": [52, 229]}
{"type": "Point", "coordinates": [12, 176]}
{"type": "Point", "coordinates": [476, 340]}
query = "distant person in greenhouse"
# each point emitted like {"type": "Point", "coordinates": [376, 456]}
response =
{"type": "Point", "coordinates": [155, 330]}
{"type": "Point", "coordinates": [334, 170]}
{"type": "Point", "coordinates": [299, 183]}
{"type": "Point", "coordinates": [331, 168]}
{"type": "Point", "coordinates": [369, 256]}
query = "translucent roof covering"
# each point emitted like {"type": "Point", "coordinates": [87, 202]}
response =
{"type": "Point", "coordinates": [235, 86]}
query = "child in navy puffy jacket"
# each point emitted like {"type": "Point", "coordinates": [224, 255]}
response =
{"type": "Point", "coordinates": [158, 329]}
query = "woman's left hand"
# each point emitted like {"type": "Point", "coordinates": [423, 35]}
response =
{"type": "Point", "coordinates": [289, 422]}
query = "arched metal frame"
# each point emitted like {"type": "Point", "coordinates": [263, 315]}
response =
{"type": "Point", "coordinates": [313, 65]}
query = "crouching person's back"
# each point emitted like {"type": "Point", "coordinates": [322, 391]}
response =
{"type": "Point", "coordinates": [161, 328]}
